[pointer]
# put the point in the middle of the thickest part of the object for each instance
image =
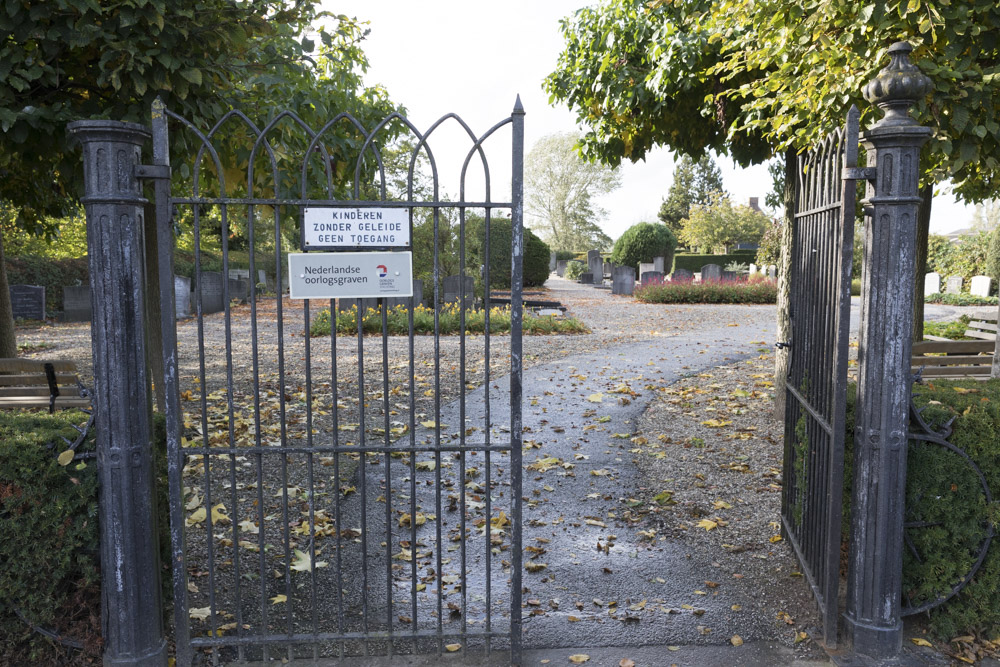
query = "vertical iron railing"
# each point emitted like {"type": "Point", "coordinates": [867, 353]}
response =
{"type": "Point", "coordinates": [273, 557]}
{"type": "Point", "coordinates": [816, 386]}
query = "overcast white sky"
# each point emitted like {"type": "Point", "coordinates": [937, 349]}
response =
{"type": "Point", "coordinates": [474, 57]}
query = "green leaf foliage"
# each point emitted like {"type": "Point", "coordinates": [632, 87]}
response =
{"type": "Point", "coordinates": [943, 490]}
{"type": "Point", "coordinates": [642, 242]}
{"type": "Point", "coordinates": [756, 289]}
{"type": "Point", "coordinates": [695, 182]}
{"type": "Point", "coordinates": [535, 260]}
{"type": "Point", "coordinates": [559, 188]}
{"type": "Point", "coordinates": [49, 564]}
{"type": "Point", "coordinates": [966, 257]}
{"type": "Point", "coordinates": [720, 224]}
{"type": "Point", "coordinates": [993, 256]}
{"type": "Point", "coordinates": [637, 74]}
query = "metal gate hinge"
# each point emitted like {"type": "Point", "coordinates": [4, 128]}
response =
{"type": "Point", "coordinates": [858, 173]}
{"type": "Point", "coordinates": [153, 171]}
{"type": "Point", "coordinates": [781, 345]}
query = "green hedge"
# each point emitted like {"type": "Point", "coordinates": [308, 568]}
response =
{"type": "Point", "coordinates": [943, 490]}
{"type": "Point", "coordinates": [449, 322]}
{"type": "Point", "coordinates": [52, 274]}
{"type": "Point", "coordinates": [49, 554]}
{"type": "Point", "coordinates": [961, 299]}
{"type": "Point", "coordinates": [693, 263]}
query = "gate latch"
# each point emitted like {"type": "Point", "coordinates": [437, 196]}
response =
{"type": "Point", "coordinates": [781, 345]}
{"type": "Point", "coordinates": [858, 173]}
{"type": "Point", "coordinates": [153, 171]}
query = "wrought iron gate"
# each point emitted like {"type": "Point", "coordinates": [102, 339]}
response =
{"type": "Point", "coordinates": [816, 387]}
{"type": "Point", "coordinates": [334, 493]}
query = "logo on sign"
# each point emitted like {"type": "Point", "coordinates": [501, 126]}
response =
{"type": "Point", "coordinates": [382, 270]}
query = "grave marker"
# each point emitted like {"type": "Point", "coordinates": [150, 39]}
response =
{"type": "Point", "coordinates": [980, 286]}
{"type": "Point", "coordinates": [561, 267]}
{"type": "Point", "coordinates": [953, 285]}
{"type": "Point", "coordinates": [622, 280]}
{"type": "Point", "coordinates": [658, 263]}
{"type": "Point", "coordinates": [76, 303]}
{"type": "Point", "coordinates": [651, 277]}
{"type": "Point", "coordinates": [27, 302]}
{"type": "Point", "coordinates": [711, 272]}
{"type": "Point", "coordinates": [681, 275]}
{"type": "Point", "coordinates": [932, 283]}
{"type": "Point", "coordinates": [182, 296]}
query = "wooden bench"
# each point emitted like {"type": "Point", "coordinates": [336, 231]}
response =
{"type": "Point", "coordinates": [954, 359]}
{"type": "Point", "coordinates": [985, 328]}
{"type": "Point", "coordinates": [36, 383]}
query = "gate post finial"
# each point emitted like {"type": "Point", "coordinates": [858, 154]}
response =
{"type": "Point", "coordinates": [132, 621]}
{"type": "Point", "coordinates": [874, 582]}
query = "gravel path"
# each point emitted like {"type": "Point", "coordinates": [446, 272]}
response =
{"type": "Point", "coordinates": [658, 578]}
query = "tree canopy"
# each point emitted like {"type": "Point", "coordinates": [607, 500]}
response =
{"type": "Point", "coordinates": [722, 224]}
{"type": "Point", "coordinates": [695, 182]}
{"type": "Point", "coordinates": [110, 60]}
{"type": "Point", "coordinates": [559, 190]}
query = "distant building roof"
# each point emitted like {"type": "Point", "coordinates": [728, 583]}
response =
{"type": "Point", "coordinates": [958, 233]}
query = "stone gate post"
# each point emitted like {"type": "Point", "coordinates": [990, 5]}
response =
{"type": "Point", "coordinates": [132, 622]}
{"type": "Point", "coordinates": [876, 552]}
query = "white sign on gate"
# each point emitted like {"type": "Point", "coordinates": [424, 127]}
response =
{"type": "Point", "coordinates": [358, 227]}
{"type": "Point", "coordinates": [350, 275]}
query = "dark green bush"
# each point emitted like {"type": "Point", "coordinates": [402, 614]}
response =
{"type": "Point", "coordinates": [52, 274]}
{"type": "Point", "coordinates": [49, 554]}
{"type": "Point", "coordinates": [564, 254]}
{"type": "Point", "coordinates": [536, 253]}
{"type": "Point", "coordinates": [755, 289]}
{"type": "Point", "coordinates": [642, 242]}
{"type": "Point", "coordinates": [943, 490]}
{"type": "Point", "coordinates": [693, 263]}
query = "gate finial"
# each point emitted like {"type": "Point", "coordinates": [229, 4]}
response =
{"type": "Point", "coordinates": [897, 87]}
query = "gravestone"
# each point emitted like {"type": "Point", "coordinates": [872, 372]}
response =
{"type": "Point", "coordinates": [404, 301]}
{"type": "Point", "coordinates": [595, 264]}
{"type": "Point", "coordinates": [651, 277]}
{"type": "Point", "coordinates": [772, 271]}
{"type": "Point", "coordinates": [953, 285]}
{"type": "Point", "coordinates": [609, 270]}
{"type": "Point", "coordinates": [932, 283]}
{"type": "Point", "coordinates": [27, 302]}
{"type": "Point", "coordinates": [76, 303]}
{"type": "Point", "coordinates": [681, 275]}
{"type": "Point", "coordinates": [552, 261]}
{"type": "Point", "coordinates": [182, 296]}
{"type": "Point", "coordinates": [646, 267]}
{"type": "Point", "coordinates": [236, 274]}
{"type": "Point", "coordinates": [262, 278]}
{"type": "Point", "coordinates": [587, 278]}
{"type": "Point", "coordinates": [239, 288]}
{"type": "Point", "coordinates": [658, 263]}
{"type": "Point", "coordinates": [561, 267]}
{"type": "Point", "coordinates": [210, 289]}
{"type": "Point", "coordinates": [622, 280]}
{"type": "Point", "coordinates": [753, 269]}
{"type": "Point", "coordinates": [729, 275]}
{"type": "Point", "coordinates": [711, 272]}
{"type": "Point", "coordinates": [980, 286]}
{"type": "Point", "coordinates": [453, 290]}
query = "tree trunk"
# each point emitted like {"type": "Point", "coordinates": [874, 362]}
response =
{"type": "Point", "coordinates": [923, 235]}
{"type": "Point", "coordinates": [783, 327]}
{"type": "Point", "coordinates": [154, 338]}
{"type": "Point", "coordinates": [8, 344]}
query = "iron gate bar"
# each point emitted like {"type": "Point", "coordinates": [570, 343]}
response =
{"type": "Point", "coordinates": [815, 412]}
{"type": "Point", "coordinates": [246, 637]}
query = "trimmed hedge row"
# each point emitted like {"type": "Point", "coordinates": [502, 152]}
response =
{"type": "Point", "coordinates": [942, 490]}
{"type": "Point", "coordinates": [693, 263]}
{"type": "Point", "coordinates": [755, 289]}
{"type": "Point", "coordinates": [49, 554]}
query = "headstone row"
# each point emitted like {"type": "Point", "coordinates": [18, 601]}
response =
{"type": "Point", "coordinates": [978, 286]}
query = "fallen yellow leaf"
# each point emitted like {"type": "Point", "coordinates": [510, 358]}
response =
{"type": "Point", "coordinates": [920, 641]}
{"type": "Point", "coordinates": [452, 647]}
{"type": "Point", "coordinates": [66, 457]}
{"type": "Point", "coordinates": [707, 524]}
{"type": "Point", "coordinates": [736, 640]}
{"type": "Point", "coordinates": [278, 599]}
{"type": "Point", "coordinates": [579, 658]}
{"type": "Point", "coordinates": [595, 398]}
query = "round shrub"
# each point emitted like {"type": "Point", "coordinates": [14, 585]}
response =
{"type": "Point", "coordinates": [642, 242]}
{"type": "Point", "coordinates": [574, 269]}
{"type": "Point", "coordinates": [536, 253]}
{"type": "Point", "coordinates": [564, 255]}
